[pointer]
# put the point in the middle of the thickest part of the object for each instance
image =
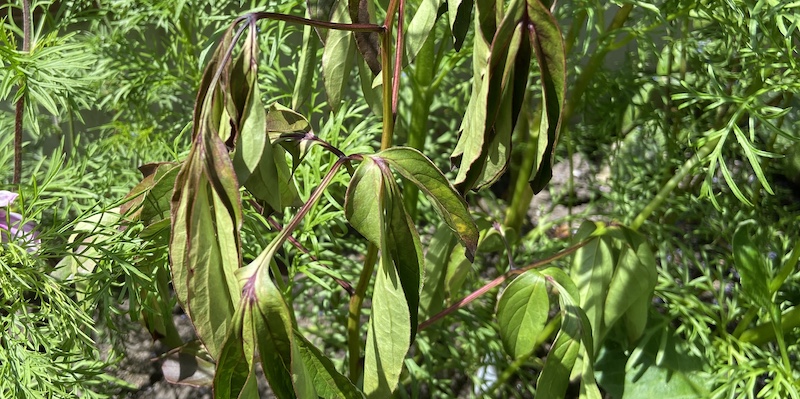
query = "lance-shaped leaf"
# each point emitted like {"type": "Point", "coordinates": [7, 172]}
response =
{"type": "Point", "coordinates": [488, 122]}
{"type": "Point", "coordinates": [548, 46]}
{"type": "Point", "coordinates": [418, 169]}
{"type": "Point", "coordinates": [249, 118]}
{"type": "Point", "coordinates": [306, 69]}
{"type": "Point", "coordinates": [368, 43]}
{"type": "Point", "coordinates": [337, 58]}
{"type": "Point", "coordinates": [375, 208]}
{"type": "Point", "coordinates": [592, 269]}
{"type": "Point", "coordinates": [459, 14]}
{"type": "Point", "coordinates": [388, 337]}
{"type": "Point", "coordinates": [421, 26]}
{"type": "Point", "coordinates": [234, 376]}
{"type": "Point", "coordinates": [440, 250]}
{"type": "Point", "coordinates": [634, 280]}
{"type": "Point", "coordinates": [328, 383]}
{"type": "Point", "coordinates": [522, 313]}
{"type": "Point", "coordinates": [205, 246]}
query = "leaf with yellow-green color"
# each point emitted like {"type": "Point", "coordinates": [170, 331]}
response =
{"type": "Point", "coordinates": [418, 169]}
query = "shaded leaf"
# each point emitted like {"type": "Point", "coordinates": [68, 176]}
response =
{"type": "Point", "coordinates": [368, 43]}
{"type": "Point", "coordinates": [459, 14]}
{"type": "Point", "coordinates": [575, 329]}
{"type": "Point", "coordinates": [432, 297]}
{"type": "Point", "coordinates": [548, 46]}
{"type": "Point", "coordinates": [522, 313]}
{"type": "Point", "coordinates": [234, 375]}
{"type": "Point", "coordinates": [751, 266]}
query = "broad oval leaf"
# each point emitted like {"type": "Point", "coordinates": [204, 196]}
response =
{"type": "Point", "coordinates": [363, 200]}
{"type": "Point", "coordinates": [522, 313]}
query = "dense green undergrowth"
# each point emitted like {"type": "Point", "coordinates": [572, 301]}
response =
{"type": "Point", "coordinates": [673, 270]}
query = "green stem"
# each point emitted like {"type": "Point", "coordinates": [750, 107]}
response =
{"type": "Point", "coordinates": [499, 280]}
{"type": "Point", "coordinates": [667, 189]}
{"type": "Point", "coordinates": [20, 106]}
{"type": "Point", "coordinates": [354, 314]}
{"type": "Point", "coordinates": [424, 73]}
{"type": "Point", "coordinates": [522, 194]}
{"type": "Point", "coordinates": [763, 333]}
{"type": "Point", "coordinates": [595, 61]}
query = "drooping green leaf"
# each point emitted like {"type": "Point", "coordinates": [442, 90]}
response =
{"type": "Point", "coordinates": [363, 203]}
{"type": "Point", "coordinates": [755, 277]}
{"type": "Point", "coordinates": [522, 313]}
{"type": "Point", "coordinates": [205, 248]}
{"type": "Point", "coordinates": [420, 27]}
{"type": "Point", "coordinates": [328, 383]}
{"type": "Point", "coordinates": [272, 324]}
{"type": "Point", "coordinates": [433, 295]}
{"type": "Point", "coordinates": [417, 168]}
{"type": "Point", "coordinates": [234, 375]}
{"type": "Point", "coordinates": [548, 46]}
{"type": "Point", "coordinates": [306, 69]}
{"type": "Point", "coordinates": [401, 244]}
{"type": "Point", "coordinates": [375, 208]}
{"type": "Point", "coordinates": [252, 145]}
{"type": "Point", "coordinates": [483, 147]}
{"type": "Point", "coordinates": [337, 58]}
{"type": "Point", "coordinates": [388, 337]}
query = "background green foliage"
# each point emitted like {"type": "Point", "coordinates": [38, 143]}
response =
{"type": "Point", "coordinates": [689, 105]}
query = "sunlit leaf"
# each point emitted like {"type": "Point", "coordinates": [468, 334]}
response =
{"type": "Point", "coordinates": [328, 383]}
{"type": "Point", "coordinates": [388, 333]}
{"type": "Point", "coordinates": [306, 69]}
{"type": "Point", "coordinates": [204, 251]}
{"type": "Point", "coordinates": [417, 168]}
{"type": "Point", "coordinates": [522, 313]}
{"type": "Point", "coordinates": [337, 58]}
{"type": "Point", "coordinates": [420, 27]}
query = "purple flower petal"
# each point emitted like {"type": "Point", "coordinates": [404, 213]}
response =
{"type": "Point", "coordinates": [11, 226]}
{"type": "Point", "coordinates": [6, 198]}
